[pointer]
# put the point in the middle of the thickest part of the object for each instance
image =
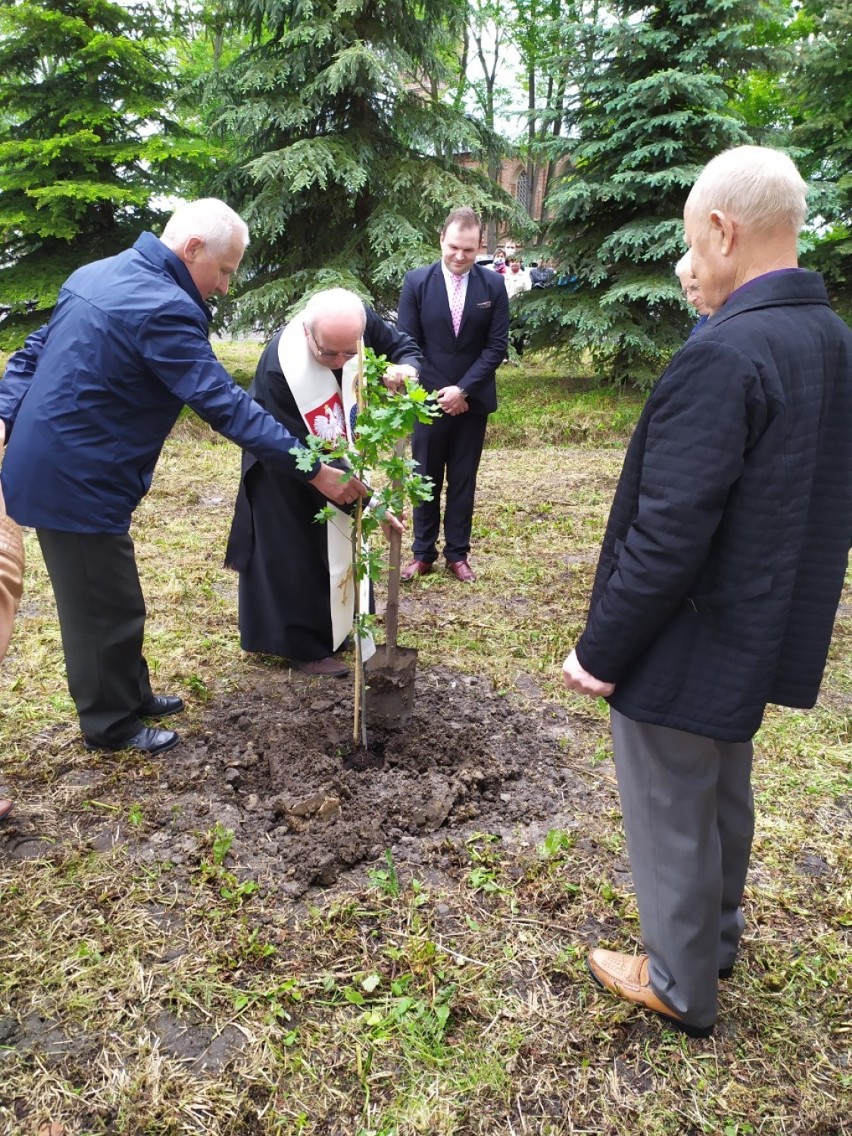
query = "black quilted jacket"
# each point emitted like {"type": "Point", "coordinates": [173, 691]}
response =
{"type": "Point", "coordinates": [728, 538]}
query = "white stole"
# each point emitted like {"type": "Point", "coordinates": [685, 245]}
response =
{"type": "Point", "coordinates": [326, 415]}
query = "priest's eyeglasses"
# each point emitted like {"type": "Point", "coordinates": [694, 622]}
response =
{"type": "Point", "coordinates": [323, 354]}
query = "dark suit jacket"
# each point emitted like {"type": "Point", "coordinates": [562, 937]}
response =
{"type": "Point", "coordinates": [726, 548]}
{"type": "Point", "coordinates": [469, 360]}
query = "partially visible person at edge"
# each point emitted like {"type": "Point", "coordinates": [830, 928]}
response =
{"type": "Point", "coordinates": [296, 597]}
{"type": "Point", "coordinates": [11, 586]}
{"type": "Point", "coordinates": [458, 314]}
{"type": "Point", "coordinates": [691, 290]}
{"type": "Point", "coordinates": [86, 405]}
{"type": "Point", "coordinates": [720, 575]}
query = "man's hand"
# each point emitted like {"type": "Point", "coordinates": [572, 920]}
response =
{"type": "Point", "coordinates": [575, 678]}
{"type": "Point", "coordinates": [2, 433]}
{"type": "Point", "coordinates": [451, 400]}
{"type": "Point", "coordinates": [330, 482]}
{"type": "Point", "coordinates": [395, 376]}
{"type": "Point", "coordinates": [392, 523]}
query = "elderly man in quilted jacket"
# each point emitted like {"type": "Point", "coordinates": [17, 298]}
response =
{"type": "Point", "coordinates": [720, 575]}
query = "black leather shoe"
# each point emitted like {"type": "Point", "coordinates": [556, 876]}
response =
{"type": "Point", "coordinates": [160, 706]}
{"type": "Point", "coordinates": [149, 739]}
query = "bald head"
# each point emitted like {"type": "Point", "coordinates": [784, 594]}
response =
{"type": "Point", "coordinates": [742, 219]}
{"type": "Point", "coordinates": [334, 321]}
{"type": "Point", "coordinates": [757, 185]}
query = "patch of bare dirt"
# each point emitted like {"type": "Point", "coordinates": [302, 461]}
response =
{"type": "Point", "coordinates": [274, 765]}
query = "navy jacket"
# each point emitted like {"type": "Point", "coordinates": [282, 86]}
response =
{"type": "Point", "coordinates": [726, 548]}
{"type": "Point", "coordinates": [469, 360]}
{"type": "Point", "coordinates": [90, 398]}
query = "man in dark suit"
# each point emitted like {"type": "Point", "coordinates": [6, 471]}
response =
{"type": "Point", "coordinates": [458, 314]}
{"type": "Point", "coordinates": [720, 575]}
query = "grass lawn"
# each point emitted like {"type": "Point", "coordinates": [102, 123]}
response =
{"type": "Point", "coordinates": [348, 1014]}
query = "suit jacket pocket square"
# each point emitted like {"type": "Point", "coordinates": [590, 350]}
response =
{"type": "Point", "coordinates": [484, 304]}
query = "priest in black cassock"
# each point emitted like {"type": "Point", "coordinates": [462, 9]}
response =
{"type": "Point", "coordinates": [296, 594]}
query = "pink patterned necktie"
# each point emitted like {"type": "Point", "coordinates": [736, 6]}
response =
{"type": "Point", "coordinates": [457, 303]}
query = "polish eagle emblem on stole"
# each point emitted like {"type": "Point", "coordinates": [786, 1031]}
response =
{"type": "Point", "coordinates": [328, 420]}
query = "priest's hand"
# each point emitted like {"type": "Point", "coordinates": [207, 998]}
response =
{"type": "Point", "coordinates": [577, 678]}
{"type": "Point", "coordinates": [339, 486]}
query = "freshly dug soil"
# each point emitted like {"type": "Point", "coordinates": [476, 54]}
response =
{"type": "Point", "coordinates": [275, 765]}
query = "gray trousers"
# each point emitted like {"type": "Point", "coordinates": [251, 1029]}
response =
{"type": "Point", "coordinates": [102, 620]}
{"type": "Point", "coordinates": [689, 816]}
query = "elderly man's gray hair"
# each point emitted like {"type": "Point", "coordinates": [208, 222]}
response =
{"type": "Point", "coordinates": [758, 186]}
{"type": "Point", "coordinates": [334, 302]}
{"type": "Point", "coordinates": [683, 268]}
{"type": "Point", "coordinates": [209, 219]}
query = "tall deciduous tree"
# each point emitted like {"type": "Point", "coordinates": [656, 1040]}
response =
{"type": "Point", "coordinates": [86, 142]}
{"type": "Point", "coordinates": [340, 164]}
{"type": "Point", "coordinates": [549, 40]}
{"type": "Point", "coordinates": [821, 89]}
{"type": "Point", "coordinates": [652, 108]}
{"type": "Point", "coordinates": [486, 37]}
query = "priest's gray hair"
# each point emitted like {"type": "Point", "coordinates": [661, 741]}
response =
{"type": "Point", "coordinates": [209, 219]}
{"type": "Point", "coordinates": [756, 185]}
{"type": "Point", "coordinates": [334, 302]}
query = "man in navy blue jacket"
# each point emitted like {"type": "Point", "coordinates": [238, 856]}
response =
{"type": "Point", "coordinates": [86, 406]}
{"type": "Point", "coordinates": [721, 571]}
{"type": "Point", "coordinates": [458, 314]}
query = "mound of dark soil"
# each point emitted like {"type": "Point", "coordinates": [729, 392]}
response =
{"type": "Point", "coordinates": [274, 765]}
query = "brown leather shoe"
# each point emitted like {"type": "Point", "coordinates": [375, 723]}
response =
{"type": "Point", "coordinates": [5, 808]}
{"type": "Point", "coordinates": [461, 570]}
{"type": "Point", "coordinates": [330, 667]}
{"type": "Point", "coordinates": [626, 976]}
{"type": "Point", "coordinates": [415, 568]}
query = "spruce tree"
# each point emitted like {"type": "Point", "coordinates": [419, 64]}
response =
{"type": "Point", "coordinates": [343, 147]}
{"type": "Point", "coordinates": [652, 107]}
{"type": "Point", "coordinates": [86, 143]}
